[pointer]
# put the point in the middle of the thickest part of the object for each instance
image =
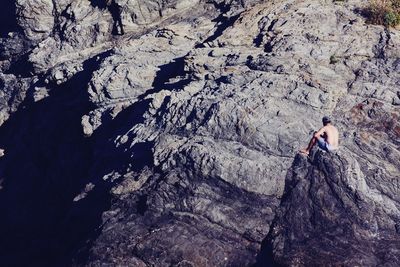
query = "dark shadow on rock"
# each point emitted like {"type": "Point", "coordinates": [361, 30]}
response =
{"type": "Point", "coordinates": [46, 164]}
{"type": "Point", "coordinates": [162, 204]}
{"type": "Point", "coordinates": [107, 158]}
{"type": "Point", "coordinates": [115, 10]}
{"type": "Point", "coordinates": [102, 4]}
{"type": "Point", "coordinates": [223, 7]}
{"type": "Point", "coordinates": [175, 68]}
{"type": "Point", "coordinates": [14, 46]}
{"type": "Point", "coordinates": [223, 23]}
{"type": "Point", "coordinates": [15, 49]}
{"type": "Point", "coordinates": [260, 37]}
{"type": "Point", "coordinates": [265, 257]}
{"type": "Point", "coordinates": [364, 12]}
{"type": "Point", "coordinates": [142, 204]}
{"type": "Point", "coordinates": [21, 66]}
{"type": "Point", "coordinates": [8, 19]}
{"type": "Point", "coordinates": [268, 46]}
{"type": "Point", "coordinates": [323, 221]}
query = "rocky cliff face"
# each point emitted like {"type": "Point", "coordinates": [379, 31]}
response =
{"type": "Point", "coordinates": [330, 215]}
{"type": "Point", "coordinates": [165, 133]}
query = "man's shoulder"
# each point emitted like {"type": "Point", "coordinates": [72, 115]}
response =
{"type": "Point", "coordinates": [331, 127]}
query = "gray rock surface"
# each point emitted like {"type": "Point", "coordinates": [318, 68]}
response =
{"type": "Point", "coordinates": [330, 216]}
{"type": "Point", "coordinates": [169, 145]}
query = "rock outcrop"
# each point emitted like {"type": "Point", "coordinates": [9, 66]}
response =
{"type": "Point", "coordinates": [160, 133]}
{"type": "Point", "coordinates": [329, 215]}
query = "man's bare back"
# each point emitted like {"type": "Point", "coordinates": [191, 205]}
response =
{"type": "Point", "coordinates": [331, 135]}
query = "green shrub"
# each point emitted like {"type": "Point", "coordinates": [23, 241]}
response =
{"type": "Point", "coordinates": [333, 59]}
{"type": "Point", "coordinates": [392, 19]}
{"type": "Point", "coordinates": [383, 12]}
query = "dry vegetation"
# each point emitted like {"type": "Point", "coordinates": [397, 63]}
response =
{"type": "Point", "coordinates": [383, 12]}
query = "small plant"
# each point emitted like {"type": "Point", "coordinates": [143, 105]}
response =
{"type": "Point", "coordinates": [392, 19]}
{"type": "Point", "coordinates": [383, 12]}
{"type": "Point", "coordinates": [333, 59]}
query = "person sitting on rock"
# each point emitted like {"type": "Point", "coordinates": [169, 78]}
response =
{"type": "Point", "coordinates": [327, 137]}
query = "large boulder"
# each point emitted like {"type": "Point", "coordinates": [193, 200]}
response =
{"type": "Point", "coordinates": [330, 215]}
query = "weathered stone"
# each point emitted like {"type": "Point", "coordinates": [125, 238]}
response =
{"type": "Point", "coordinates": [159, 133]}
{"type": "Point", "coordinates": [330, 215]}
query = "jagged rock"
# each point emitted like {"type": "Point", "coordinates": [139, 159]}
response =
{"type": "Point", "coordinates": [36, 18]}
{"type": "Point", "coordinates": [202, 227]}
{"type": "Point", "coordinates": [169, 144]}
{"type": "Point", "coordinates": [329, 215]}
{"type": "Point", "coordinates": [13, 93]}
{"type": "Point", "coordinates": [137, 13]}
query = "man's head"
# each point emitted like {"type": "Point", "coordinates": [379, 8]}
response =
{"type": "Point", "coordinates": [326, 120]}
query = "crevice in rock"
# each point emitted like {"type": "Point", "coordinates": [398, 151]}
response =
{"type": "Point", "coordinates": [115, 10]}
{"type": "Point", "coordinates": [260, 37]}
{"type": "Point", "coordinates": [222, 23]}
{"type": "Point", "coordinates": [380, 48]}
{"type": "Point", "coordinates": [174, 69]}
{"type": "Point", "coordinates": [268, 46]}
{"type": "Point", "coordinates": [258, 40]}
{"type": "Point", "coordinates": [98, 3]}
{"type": "Point", "coordinates": [222, 6]}
{"type": "Point", "coordinates": [265, 257]}
{"type": "Point", "coordinates": [142, 204]}
{"type": "Point", "coordinates": [56, 14]}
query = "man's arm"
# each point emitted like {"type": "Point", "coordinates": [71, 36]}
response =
{"type": "Point", "coordinates": [320, 132]}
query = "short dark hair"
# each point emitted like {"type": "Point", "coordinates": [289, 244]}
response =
{"type": "Point", "coordinates": [326, 120]}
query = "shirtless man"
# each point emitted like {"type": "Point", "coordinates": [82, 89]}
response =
{"type": "Point", "coordinates": [327, 137]}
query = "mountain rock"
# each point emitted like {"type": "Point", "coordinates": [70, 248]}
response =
{"type": "Point", "coordinates": [166, 133]}
{"type": "Point", "coordinates": [329, 215]}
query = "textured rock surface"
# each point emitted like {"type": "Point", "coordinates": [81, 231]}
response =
{"type": "Point", "coordinates": [330, 215]}
{"type": "Point", "coordinates": [169, 145]}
